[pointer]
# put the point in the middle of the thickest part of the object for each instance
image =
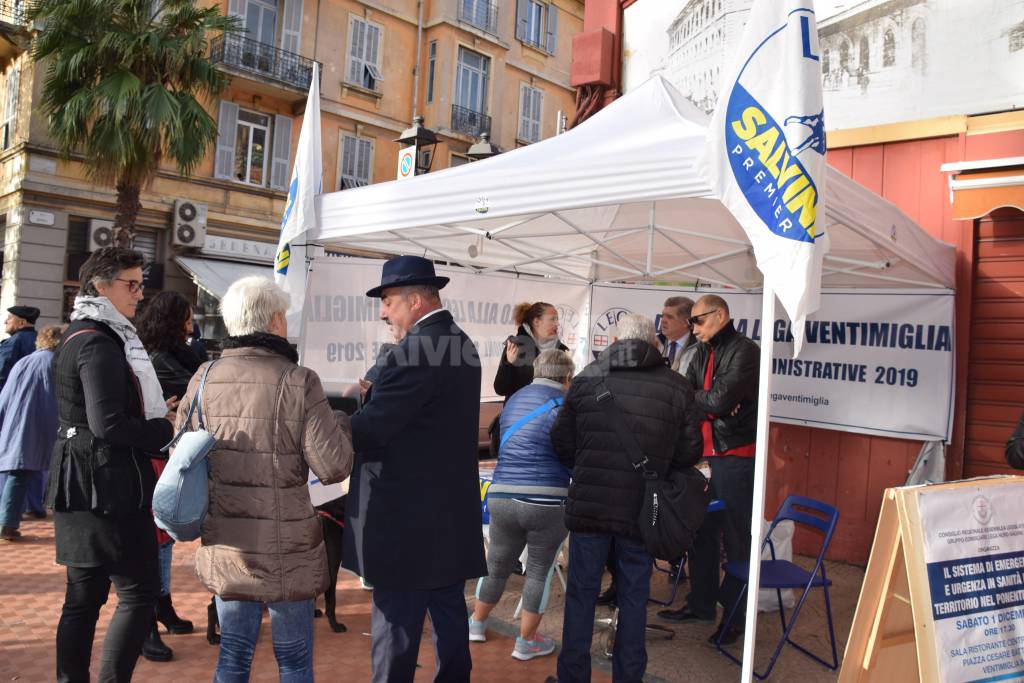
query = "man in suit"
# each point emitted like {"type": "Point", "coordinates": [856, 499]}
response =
{"type": "Point", "coordinates": [20, 324]}
{"type": "Point", "coordinates": [412, 518]}
{"type": "Point", "coordinates": [675, 336]}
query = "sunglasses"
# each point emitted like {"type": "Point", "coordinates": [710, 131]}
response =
{"type": "Point", "coordinates": [134, 286]}
{"type": "Point", "coordinates": [696, 319]}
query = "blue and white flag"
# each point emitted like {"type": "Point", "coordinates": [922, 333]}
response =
{"type": "Point", "coordinates": [766, 151]}
{"type": "Point", "coordinates": [300, 211]}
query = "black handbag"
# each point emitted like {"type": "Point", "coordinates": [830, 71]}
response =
{"type": "Point", "coordinates": [673, 506]}
{"type": "Point", "coordinates": [1015, 447]}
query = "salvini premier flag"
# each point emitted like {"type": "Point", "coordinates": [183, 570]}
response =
{"type": "Point", "coordinates": [300, 211]}
{"type": "Point", "coordinates": [766, 151]}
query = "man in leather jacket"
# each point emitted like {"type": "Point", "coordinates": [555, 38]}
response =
{"type": "Point", "coordinates": [724, 372]}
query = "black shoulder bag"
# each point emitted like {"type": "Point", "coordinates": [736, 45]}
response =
{"type": "Point", "coordinates": [673, 507]}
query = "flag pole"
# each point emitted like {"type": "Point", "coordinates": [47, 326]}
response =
{"type": "Point", "coordinates": [760, 476]}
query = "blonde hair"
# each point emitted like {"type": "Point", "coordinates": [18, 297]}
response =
{"type": "Point", "coordinates": [49, 336]}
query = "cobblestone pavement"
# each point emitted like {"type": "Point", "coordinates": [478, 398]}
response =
{"type": "Point", "coordinates": [32, 588]}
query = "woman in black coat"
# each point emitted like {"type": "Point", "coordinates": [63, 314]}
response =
{"type": "Point", "coordinates": [538, 330]}
{"type": "Point", "coordinates": [101, 481]}
{"type": "Point", "coordinates": [164, 328]}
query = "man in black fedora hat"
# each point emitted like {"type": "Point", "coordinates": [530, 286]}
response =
{"type": "Point", "coordinates": [20, 324]}
{"type": "Point", "coordinates": [412, 517]}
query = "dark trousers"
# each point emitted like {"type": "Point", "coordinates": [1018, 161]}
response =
{"type": "Point", "coordinates": [587, 556]}
{"type": "Point", "coordinates": [732, 482]}
{"type": "Point", "coordinates": [398, 624]}
{"type": "Point", "coordinates": [136, 577]}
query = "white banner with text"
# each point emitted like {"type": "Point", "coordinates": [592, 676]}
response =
{"type": "Point", "coordinates": [874, 361]}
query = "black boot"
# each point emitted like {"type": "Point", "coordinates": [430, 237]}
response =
{"type": "Point", "coordinates": [166, 615]}
{"type": "Point", "coordinates": [153, 648]}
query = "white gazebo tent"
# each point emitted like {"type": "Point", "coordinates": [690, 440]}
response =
{"type": "Point", "coordinates": [620, 199]}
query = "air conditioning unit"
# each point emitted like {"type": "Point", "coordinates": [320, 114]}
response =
{"type": "Point", "coordinates": [189, 224]}
{"type": "Point", "coordinates": [101, 234]}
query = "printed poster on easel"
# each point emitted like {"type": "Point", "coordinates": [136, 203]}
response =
{"type": "Point", "coordinates": [974, 555]}
{"type": "Point", "coordinates": [943, 592]}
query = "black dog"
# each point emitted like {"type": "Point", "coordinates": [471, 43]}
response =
{"type": "Point", "coordinates": [332, 524]}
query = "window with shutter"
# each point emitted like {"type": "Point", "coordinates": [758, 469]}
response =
{"type": "Point", "coordinates": [146, 242]}
{"type": "Point", "coordinates": [280, 161]}
{"type": "Point", "coordinates": [530, 100]}
{"type": "Point", "coordinates": [364, 68]}
{"type": "Point", "coordinates": [356, 165]}
{"type": "Point", "coordinates": [431, 69]}
{"type": "Point", "coordinates": [11, 107]}
{"type": "Point", "coordinates": [224, 162]}
{"type": "Point", "coordinates": [537, 24]}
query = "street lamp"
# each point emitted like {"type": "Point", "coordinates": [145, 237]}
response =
{"type": "Point", "coordinates": [422, 140]}
{"type": "Point", "coordinates": [483, 149]}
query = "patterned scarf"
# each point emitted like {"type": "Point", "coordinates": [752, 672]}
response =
{"type": "Point", "coordinates": [100, 309]}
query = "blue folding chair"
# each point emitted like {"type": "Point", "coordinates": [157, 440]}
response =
{"type": "Point", "coordinates": [779, 574]}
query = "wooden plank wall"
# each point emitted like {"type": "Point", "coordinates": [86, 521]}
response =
{"type": "Point", "coordinates": [849, 470]}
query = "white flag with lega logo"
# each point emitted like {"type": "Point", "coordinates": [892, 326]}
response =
{"type": "Point", "coordinates": [300, 212]}
{"type": "Point", "coordinates": [766, 151]}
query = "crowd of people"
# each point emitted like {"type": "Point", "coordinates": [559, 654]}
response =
{"type": "Point", "coordinates": [98, 401]}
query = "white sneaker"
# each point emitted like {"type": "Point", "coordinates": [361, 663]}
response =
{"type": "Point", "coordinates": [477, 631]}
{"type": "Point", "coordinates": [528, 649]}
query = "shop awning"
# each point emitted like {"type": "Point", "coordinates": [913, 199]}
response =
{"type": "Point", "coordinates": [216, 276]}
{"type": "Point", "coordinates": [977, 188]}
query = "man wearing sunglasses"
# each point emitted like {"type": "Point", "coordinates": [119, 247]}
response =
{"type": "Point", "coordinates": [724, 374]}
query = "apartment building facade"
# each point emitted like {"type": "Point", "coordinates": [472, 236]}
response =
{"type": "Point", "coordinates": [481, 66]}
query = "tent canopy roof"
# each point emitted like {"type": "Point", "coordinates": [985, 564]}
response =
{"type": "Point", "coordinates": [618, 199]}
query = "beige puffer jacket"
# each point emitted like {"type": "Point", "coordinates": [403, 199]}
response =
{"type": "Point", "coordinates": [261, 539]}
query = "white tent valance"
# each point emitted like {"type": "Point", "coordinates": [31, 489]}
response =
{"type": "Point", "coordinates": [618, 199]}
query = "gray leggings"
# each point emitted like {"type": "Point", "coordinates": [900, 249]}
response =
{"type": "Point", "coordinates": [514, 525]}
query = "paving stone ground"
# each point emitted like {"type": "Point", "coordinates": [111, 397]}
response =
{"type": "Point", "coordinates": [32, 590]}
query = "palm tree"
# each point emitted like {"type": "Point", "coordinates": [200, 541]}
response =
{"type": "Point", "coordinates": [123, 86]}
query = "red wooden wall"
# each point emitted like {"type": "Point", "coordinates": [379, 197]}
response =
{"type": "Point", "coordinates": [849, 470]}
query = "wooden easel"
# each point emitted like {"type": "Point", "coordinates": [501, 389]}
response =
{"type": "Point", "coordinates": [892, 636]}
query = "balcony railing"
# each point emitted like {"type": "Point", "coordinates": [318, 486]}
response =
{"type": "Point", "coordinates": [13, 11]}
{"type": "Point", "coordinates": [266, 61]}
{"type": "Point", "coordinates": [470, 122]}
{"type": "Point", "coordinates": [480, 13]}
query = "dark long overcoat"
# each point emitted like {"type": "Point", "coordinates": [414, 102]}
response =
{"type": "Point", "coordinates": [412, 517]}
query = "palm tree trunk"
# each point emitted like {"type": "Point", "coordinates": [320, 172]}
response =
{"type": "Point", "coordinates": [128, 206]}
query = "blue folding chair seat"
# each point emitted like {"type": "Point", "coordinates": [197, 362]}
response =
{"type": "Point", "coordinates": [778, 574]}
{"type": "Point", "coordinates": [781, 574]}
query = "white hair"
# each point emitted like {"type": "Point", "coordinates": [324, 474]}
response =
{"type": "Point", "coordinates": [636, 326]}
{"type": "Point", "coordinates": [553, 364]}
{"type": "Point", "coordinates": [250, 303]}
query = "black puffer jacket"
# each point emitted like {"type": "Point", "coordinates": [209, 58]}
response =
{"type": "Point", "coordinates": [733, 383]}
{"type": "Point", "coordinates": [606, 492]}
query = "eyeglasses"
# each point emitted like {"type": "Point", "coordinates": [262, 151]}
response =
{"type": "Point", "coordinates": [134, 286]}
{"type": "Point", "coordinates": [696, 319]}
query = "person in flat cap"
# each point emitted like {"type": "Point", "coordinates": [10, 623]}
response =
{"type": "Point", "coordinates": [412, 518]}
{"type": "Point", "coordinates": [20, 324]}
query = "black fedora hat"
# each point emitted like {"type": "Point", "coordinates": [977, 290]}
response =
{"type": "Point", "coordinates": [404, 271]}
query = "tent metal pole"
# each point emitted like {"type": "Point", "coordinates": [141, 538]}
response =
{"type": "Point", "coordinates": [703, 261]}
{"type": "Point", "coordinates": [650, 242]}
{"type": "Point", "coordinates": [723, 281]}
{"type": "Point", "coordinates": [600, 243]}
{"type": "Point", "coordinates": [760, 475]}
